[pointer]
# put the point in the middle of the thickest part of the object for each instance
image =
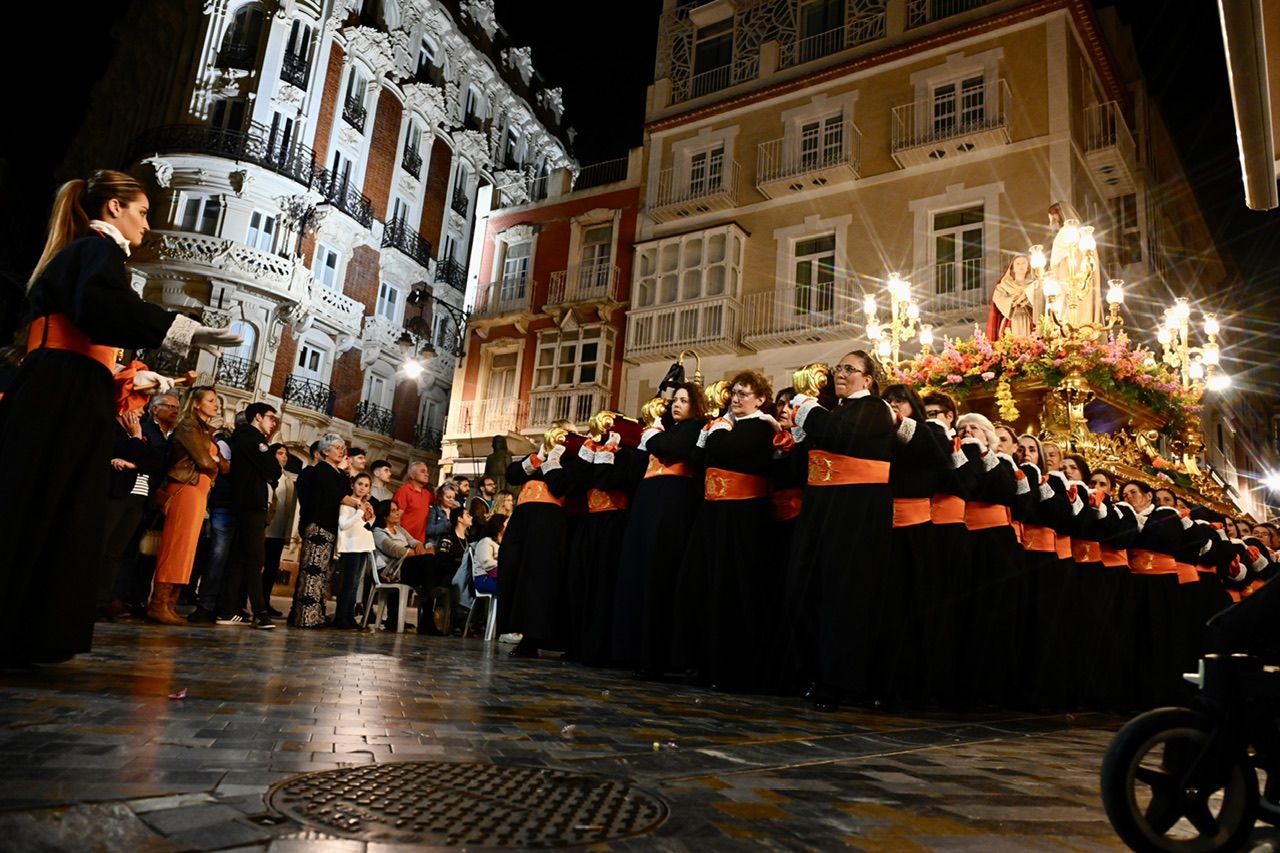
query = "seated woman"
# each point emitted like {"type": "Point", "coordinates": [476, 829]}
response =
{"type": "Point", "coordinates": [484, 561]}
{"type": "Point", "coordinates": [400, 558]}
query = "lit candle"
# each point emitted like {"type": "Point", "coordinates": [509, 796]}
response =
{"type": "Point", "coordinates": [869, 305]}
{"type": "Point", "coordinates": [1038, 260]}
{"type": "Point", "coordinates": [926, 335]}
{"type": "Point", "coordinates": [1211, 327]}
{"type": "Point", "coordinates": [884, 349]}
{"type": "Point", "coordinates": [1115, 291]}
{"type": "Point", "coordinates": [1181, 310]}
{"type": "Point", "coordinates": [1212, 354]}
{"type": "Point", "coordinates": [1196, 369]}
{"type": "Point", "coordinates": [1087, 243]}
{"type": "Point", "coordinates": [913, 311]}
{"type": "Point", "coordinates": [1051, 287]}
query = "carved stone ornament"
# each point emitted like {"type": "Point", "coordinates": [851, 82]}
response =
{"type": "Point", "coordinates": [240, 180]}
{"type": "Point", "coordinates": [288, 95]}
{"type": "Point", "coordinates": [473, 145]}
{"type": "Point", "coordinates": [163, 171]}
{"type": "Point", "coordinates": [428, 100]}
{"type": "Point", "coordinates": [408, 185]}
{"type": "Point", "coordinates": [517, 234]}
{"type": "Point", "coordinates": [373, 46]}
{"type": "Point", "coordinates": [481, 11]}
{"type": "Point", "coordinates": [553, 99]}
{"type": "Point", "coordinates": [215, 318]}
{"type": "Point", "coordinates": [343, 342]}
{"type": "Point", "coordinates": [349, 136]}
{"type": "Point", "coordinates": [521, 60]}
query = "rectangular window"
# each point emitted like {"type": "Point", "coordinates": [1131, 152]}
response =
{"type": "Point", "coordinates": [341, 172]}
{"type": "Point", "coordinates": [399, 210]}
{"type": "Point", "coordinates": [821, 28]}
{"type": "Point", "coordinates": [375, 390]}
{"type": "Point", "coordinates": [502, 376]}
{"type": "Point", "coordinates": [515, 270]}
{"type": "Point", "coordinates": [579, 357]}
{"type": "Point", "coordinates": [426, 57]}
{"type": "Point", "coordinates": [1129, 242]}
{"type": "Point", "coordinates": [262, 231]}
{"type": "Point", "coordinates": [356, 86]}
{"type": "Point", "coordinates": [706, 171]}
{"type": "Point", "coordinates": [957, 246]}
{"type": "Point", "coordinates": [822, 142]}
{"type": "Point", "coordinates": [712, 57]}
{"type": "Point", "coordinates": [413, 137]}
{"type": "Point", "coordinates": [227, 114]}
{"type": "Point", "coordinates": [312, 361]}
{"type": "Point", "coordinates": [325, 266]}
{"type": "Point", "coordinates": [200, 214]}
{"type": "Point", "coordinates": [280, 137]}
{"type": "Point", "coordinates": [513, 145]}
{"type": "Point", "coordinates": [597, 249]}
{"type": "Point", "coordinates": [959, 106]}
{"type": "Point", "coordinates": [815, 275]}
{"type": "Point", "coordinates": [389, 301]}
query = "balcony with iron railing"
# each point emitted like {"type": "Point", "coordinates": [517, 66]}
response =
{"type": "Point", "coordinates": [794, 164]}
{"type": "Point", "coordinates": [590, 283]}
{"type": "Point", "coordinates": [398, 235]}
{"type": "Point", "coordinates": [801, 314]}
{"type": "Point", "coordinates": [238, 56]}
{"type": "Point", "coordinates": [708, 325]}
{"type": "Point", "coordinates": [375, 418]}
{"type": "Point", "coordinates": [921, 12]}
{"type": "Point", "coordinates": [975, 119]}
{"type": "Point", "coordinates": [354, 113]}
{"type": "Point", "coordinates": [575, 404]}
{"type": "Point", "coordinates": [340, 192]}
{"type": "Point", "coordinates": [235, 372]}
{"type": "Point", "coordinates": [452, 273]}
{"type": "Point", "coordinates": [427, 438]}
{"type": "Point", "coordinates": [1109, 148]}
{"type": "Point", "coordinates": [168, 362]}
{"type": "Point", "coordinates": [411, 162]}
{"type": "Point", "coordinates": [711, 80]}
{"type": "Point", "coordinates": [458, 202]}
{"type": "Point", "coordinates": [256, 145]}
{"type": "Point", "coordinates": [490, 416]}
{"type": "Point", "coordinates": [246, 266]}
{"type": "Point", "coordinates": [294, 69]}
{"type": "Point", "coordinates": [308, 394]}
{"type": "Point", "coordinates": [504, 298]}
{"type": "Point", "coordinates": [813, 47]}
{"type": "Point", "coordinates": [683, 194]}
{"type": "Point", "coordinates": [601, 174]}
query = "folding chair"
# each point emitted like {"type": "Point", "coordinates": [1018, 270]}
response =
{"type": "Point", "coordinates": [378, 597]}
{"type": "Point", "coordinates": [491, 610]}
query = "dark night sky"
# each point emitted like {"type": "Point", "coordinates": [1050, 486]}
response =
{"type": "Point", "coordinates": [604, 65]}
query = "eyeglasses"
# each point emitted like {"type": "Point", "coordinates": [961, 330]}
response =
{"type": "Point", "coordinates": [742, 393]}
{"type": "Point", "coordinates": [165, 406]}
{"type": "Point", "coordinates": [842, 369]}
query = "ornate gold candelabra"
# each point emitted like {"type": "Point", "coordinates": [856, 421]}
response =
{"type": "Point", "coordinates": [1199, 368]}
{"type": "Point", "coordinates": [904, 316]}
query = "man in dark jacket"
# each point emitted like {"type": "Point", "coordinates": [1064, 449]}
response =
{"type": "Point", "coordinates": [254, 473]}
{"type": "Point", "coordinates": [133, 582]}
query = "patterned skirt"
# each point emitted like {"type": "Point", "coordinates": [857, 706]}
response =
{"type": "Point", "coordinates": [315, 566]}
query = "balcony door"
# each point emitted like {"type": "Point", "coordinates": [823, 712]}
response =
{"type": "Point", "coordinates": [597, 251]}
{"type": "Point", "coordinates": [515, 271]}
{"type": "Point", "coordinates": [376, 390]}
{"type": "Point", "coordinates": [313, 362]}
{"type": "Point", "coordinates": [821, 141]}
{"type": "Point", "coordinates": [501, 384]}
{"type": "Point", "coordinates": [958, 250]}
{"type": "Point", "coordinates": [815, 276]}
{"type": "Point", "coordinates": [706, 171]}
{"type": "Point", "coordinates": [958, 106]}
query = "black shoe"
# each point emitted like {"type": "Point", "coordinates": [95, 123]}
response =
{"type": "Point", "coordinates": [274, 614]}
{"type": "Point", "coordinates": [200, 616]}
{"type": "Point", "coordinates": [263, 621]}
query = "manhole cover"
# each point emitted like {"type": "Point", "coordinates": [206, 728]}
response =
{"type": "Point", "coordinates": [454, 804]}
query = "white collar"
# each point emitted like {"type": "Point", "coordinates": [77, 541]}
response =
{"type": "Point", "coordinates": [113, 232]}
{"type": "Point", "coordinates": [857, 395]}
{"type": "Point", "coordinates": [756, 414]}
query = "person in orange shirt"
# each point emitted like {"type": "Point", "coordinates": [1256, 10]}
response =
{"type": "Point", "coordinates": [414, 499]}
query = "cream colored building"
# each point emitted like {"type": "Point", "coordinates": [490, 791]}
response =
{"type": "Point", "coordinates": [798, 152]}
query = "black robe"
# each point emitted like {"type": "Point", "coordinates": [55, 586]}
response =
{"type": "Point", "coordinates": [1056, 630]}
{"type": "Point", "coordinates": [531, 568]}
{"type": "Point", "coordinates": [1153, 617]}
{"type": "Point", "coordinates": [840, 553]}
{"type": "Point", "coordinates": [658, 525]}
{"type": "Point", "coordinates": [56, 434]}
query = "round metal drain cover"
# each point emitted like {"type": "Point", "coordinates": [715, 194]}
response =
{"type": "Point", "coordinates": [455, 804]}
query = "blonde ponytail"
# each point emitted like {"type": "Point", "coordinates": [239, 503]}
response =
{"type": "Point", "coordinates": [76, 203]}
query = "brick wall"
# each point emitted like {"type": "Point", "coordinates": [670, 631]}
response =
{"type": "Point", "coordinates": [362, 277]}
{"type": "Point", "coordinates": [381, 165]}
{"type": "Point", "coordinates": [328, 104]}
{"type": "Point", "coordinates": [348, 383]}
{"type": "Point", "coordinates": [405, 407]}
{"type": "Point", "coordinates": [436, 200]}
{"type": "Point", "coordinates": [286, 356]}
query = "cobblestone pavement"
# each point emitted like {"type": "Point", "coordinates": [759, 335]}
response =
{"type": "Point", "coordinates": [99, 754]}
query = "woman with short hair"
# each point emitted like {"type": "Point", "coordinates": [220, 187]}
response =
{"type": "Point", "coordinates": [329, 489]}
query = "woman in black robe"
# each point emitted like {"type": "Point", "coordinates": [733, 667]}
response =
{"type": "Point", "coordinates": [531, 567]}
{"type": "Point", "coordinates": [662, 512]}
{"type": "Point", "coordinates": [724, 584]}
{"type": "Point", "coordinates": [840, 551]}
{"type": "Point", "coordinates": [56, 428]}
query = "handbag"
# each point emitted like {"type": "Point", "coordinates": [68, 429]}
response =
{"type": "Point", "coordinates": [149, 544]}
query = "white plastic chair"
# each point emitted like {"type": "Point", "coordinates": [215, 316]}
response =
{"type": "Point", "coordinates": [378, 598]}
{"type": "Point", "coordinates": [491, 610]}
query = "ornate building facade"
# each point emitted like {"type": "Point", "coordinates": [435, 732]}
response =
{"type": "Point", "coordinates": [319, 170]}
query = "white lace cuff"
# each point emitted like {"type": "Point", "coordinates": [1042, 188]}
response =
{"type": "Point", "coordinates": [178, 338]}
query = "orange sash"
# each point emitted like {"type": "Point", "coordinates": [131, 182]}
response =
{"type": "Point", "coordinates": [1187, 573]}
{"type": "Point", "coordinates": [1150, 563]}
{"type": "Point", "coordinates": [63, 334]}
{"type": "Point", "coordinates": [536, 491]}
{"type": "Point", "coordinates": [982, 516]}
{"type": "Point", "coordinates": [1084, 551]}
{"type": "Point", "coordinates": [832, 469]}
{"type": "Point", "coordinates": [946, 509]}
{"type": "Point", "coordinates": [1114, 557]}
{"type": "Point", "coordinates": [786, 503]}
{"type": "Point", "coordinates": [598, 500]}
{"type": "Point", "coordinates": [1037, 538]}
{"type": "Point", "coordinates": [658, 468]}
{"type": "Point", "coordinates": [723, 485]}
{"type": "Point", "coordinates": [908, 512]}
{"type": "Point", "coordinates": [1062, 545]}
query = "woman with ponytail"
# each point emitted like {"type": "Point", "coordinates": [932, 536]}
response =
{"type": "Point", "coordinates": [56, 417]}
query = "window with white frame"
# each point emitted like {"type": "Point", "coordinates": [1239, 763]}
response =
{"type": "Point", "coordinates": [471, 112]}
{"type": "Point", "coordinates": [440, 338]}
{"type": "Point", "coordinates": [341, 171]}
{"type": "Point", "coordinates": [249, 343]}
{"type": "Point", "coordinates": [957, 242]}
{"type": "Point", "coordinates": [280, 136]}
{"type": "Point", "coordinates": [357, 85]}
{"type": "Point", "coordinates": [262, 231]}
{"type": "Point", "coordinates": [512, 147]}
{"type": "Point", "coordinates": [227, 114]}
{"type": "Point", "coordinates": [325, 266]}
{"type": "Point", "coordinates": [426, 56]}
{"type": "Point", "coordinates": [582, 356]}
{"type": "Point", "coordinates": [712, 56]}
{"type": "Point", "coordinates": [412, 141]}
{"type": "Point", "coordinates": [299, 44]}
{"type": "Point", "coordinates": [815, 275]}
{"type": "Point", "coordinates": [399, 210]}
{"type": "Point", "coordinates": [597, 253]}
{"type": "Point", "coordinates": [959, 106]}
{"type": "Point", "coordinates": [376, 388]}
{"type": "Point", "coordinates": [821, 28]}
{"type": "Point", "coordinates": [698, 265]}
{"type": "Point", "coordinates": [706, 171]}
{"type": "Point", "coordinates": [822, 141]}
{"type": "Point", "coordinates": [390, 301]}
{"type": "Point", "coordinates": [501, 380]}
{"type": "Point", "coordinates": [200, 213]}
{"type": "Point", "coordinates": [313, 361]}
{"type": "Point", "coordinates": [515, 269]}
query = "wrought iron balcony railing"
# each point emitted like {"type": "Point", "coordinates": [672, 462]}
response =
{"type": "Point", "coordinates": [308, 394]}
{"type": "Point", "coordinates": [295, 69]}
{"type": "Point", "coordinates": [238, 56]}
{"type": "Point", "coordinates": [452, 273]}
{"type": "Point", "coordinates": [353, 113]}
{"type": "Point", "coordinates": [427, 438]}
{"type": "Point", "coordinates": [400, 236]}
{"type": "Point", "coordinates": [339, 192]}
{"type": "Point", "coordinates": [412, 162]}
{"type": "Point", "coordinates": [459, 202]}
{"type": "Point", "coordinates": [256, 145]}
{"type": "Point", "coordinates": [375, 418]}
{"type": "Point", "coordinates": [167, 362]}
{"type": "Point", "coordinates": [235, 372]}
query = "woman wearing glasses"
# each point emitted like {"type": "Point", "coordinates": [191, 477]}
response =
{"type": "Point", "coordinates": [841, 543]}
{"type": "Point", "coordinates": [724, 585]}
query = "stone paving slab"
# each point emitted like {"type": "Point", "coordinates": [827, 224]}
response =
{"type": "Point", "coordinates": [98, 742]}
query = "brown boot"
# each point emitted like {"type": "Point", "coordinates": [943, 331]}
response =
{"type": "Point", "coordinates": [160, 608]}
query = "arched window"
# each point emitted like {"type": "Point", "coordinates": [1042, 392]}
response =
{"type": "Point", "coordinates": [243, 36]}
{"type": "Point", "coordinates": [247, 349]}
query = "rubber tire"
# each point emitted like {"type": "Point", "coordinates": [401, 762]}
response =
{"type": "Point", "coordinates": [1128, 747]}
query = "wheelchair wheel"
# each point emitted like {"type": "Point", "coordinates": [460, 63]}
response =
{"type": "Point", "coordinates": [1146, 800]}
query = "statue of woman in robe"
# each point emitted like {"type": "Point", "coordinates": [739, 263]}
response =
{"type": "Point", "coordinates": [1081, 299]}
{"type": "Point", "coordinates": [1011, 310]}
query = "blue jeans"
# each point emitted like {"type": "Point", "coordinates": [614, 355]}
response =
{"type": "Point", "coordinates": [222, 530]}
{"type": "Point", "coordinates": [486, 584]}
{"type": "Point", "coordinates": [352, 565]}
